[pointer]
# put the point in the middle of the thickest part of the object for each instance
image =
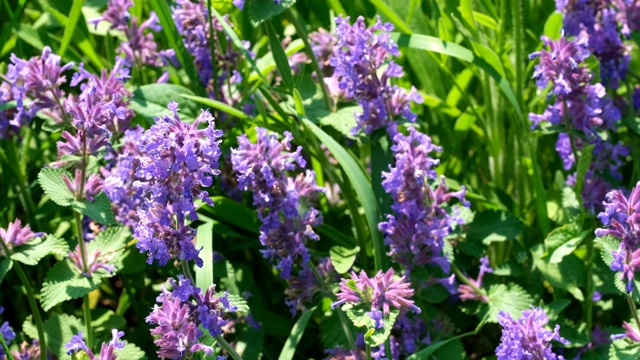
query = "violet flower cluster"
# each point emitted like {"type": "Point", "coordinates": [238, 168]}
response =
{"type": "Point", "coordinates": [381, 293]}
{"type": "Point", "coordinates": [416, 232]}
{"type": "Point", "coordinates": [283, 204]}
{"type": "Point", "coordinates": [474, 291]}
{"type": "Point", "coordinates": [16, 235]}
{"type": "Point", "coordinates": [621, 218]}
{"type": "Point", "coordinates": [7, 333]}
{"type": "Point", "coordinates": [176, 160]}
{"type": "Point", "coordinates": [607, 24]}
{"type": "Point", "coordinates": [140, 48]}
{"type": "Point", "coordinates": [579, 105]}
{"type": "Point", "coordinates": [358, 55]}
{"type": "Point", "coordinates": [180, 313]}
{"type": "Point", "coordinates": [527, 338]}
{"type": "Point", "coordinates": [107, 350]}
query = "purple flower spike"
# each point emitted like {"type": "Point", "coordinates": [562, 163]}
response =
{"type": "Point", "coordinates": [15, 235]}
{"type": "Point", "coordinates": [527, 338]}
{"type": "Point", "coordinates": [176, 160]}
{"type": "Point", "coordinates": [107, 350]}
{"type": "Point", "coordinates": [358, 55]}
{"type": "Point", "coordinates": [417, 230]}
{"type": "Point", "coordinates": [468, 292]}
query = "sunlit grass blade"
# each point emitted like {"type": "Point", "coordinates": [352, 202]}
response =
{"type": "Point", "coordinates": [220, 106]}
{"type": "Point", "coordinates": [8, 27]}
{"type": "Point", "coordinates": [204, 241]}
{"type": "Point", "coordinates": [289, 348]}
{"type": "Point", "coordinates": [70, 26]}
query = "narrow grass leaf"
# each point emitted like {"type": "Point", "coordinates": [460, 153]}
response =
{"type": "Point", "coordinates": [8, 27]}
{"type": "Point", "coordinates": [70, 26]}
{"type": "Point", "coordinates": [220, 106]}
{"type": "Point", "coordinates": [289, 348]}
{"type": "Point", "coordinates": [282, 62]}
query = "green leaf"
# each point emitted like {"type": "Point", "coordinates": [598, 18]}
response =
{"type": "Point", "coordinates": [490, 226]}
{"type": "Point", "coordinates": [151, 100]}
{"type": "Point", "coordinates": [336, 235]}
{"type": "Point", "coordinates": [131, 352]}
{"type": "Point", "coordinates": [289, 348]}
{"type": "Point", "coordinates": [64, 282]}
{"type": "Point", "coordinates": [5, 266]}
{"type": "Point", "coordinates": [220, 106]}
{"type": "Point", "coordinates": [229, 211]}
{"type": "Point", "coordinates": [236, 300]}
{"type": "Point", "coordinates": [250, 343]}
{"type": "Point", "coordinates": [204, 241]}
{"type": "Point", "coordinates": [510, 298]}
{"type": "Point", "coordinates": [58, 330]}
{"type": "Point", "coordinates": [608, 244]}
{"type": "Point", "coordinates": [111, 244]}
{"type": "Point", "coordinates": [583, 166]}
{"type": "Point", "coordinates": [373, 337]}
{"type": "Point", "coordinates": [568, 274]}
{"type": "Point", "coordinates": [567, 248]}
{"type": "Point", "coordinates": [51, 181]}
{"type": "Point", "coordinates": [104, 320]}
{"type": "Point", "coordinates": [343, 120]}
{"type": "Point", "coordinates": [343, 258]}
{"type": "Point", "coordinates": [99, 209]}
{"type": "Point", "coordinates": [452, 350]}
{"type": "Point", "coordinates": [553, 26]}
{"type": "Point", "coordinates": [362, 188]}
{"type": "Point", "coordinates": [624, 350]}
{"type": "Point", "coordinates": [33, 251]}
{"type": "Point", "coordinates": [7, 27]}
{"type": "Point", "coordinates": [70, 26]}
{"type": "Point", "coordinates": [282, 62]}
{"type": "Point", "coordinates": [434, 44]}
{"type": "Point", "coordinates": [263, 10]}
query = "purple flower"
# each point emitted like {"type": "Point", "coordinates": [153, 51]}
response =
{"type": "Point", "coordinates": [282, 201]}
{"type": "Point", "coordinates": [358, 55]}
{"type": "Point", "coordinates": [117, 14]}
{"type": "Point", "coordinates": [417, 230]}
{"type": "Point", "coordinates": [527, 338]}
{"type": "Point", "coordinates": [176, 160]}
{"type": "Point", "coordinates": [107, 351]}
{"type": "Point", "coordinates": [381, 293]}
{"type": "Point", "coordinates": [8, 334]}
{"type": "Point", "coordinates": [15, 235]}
{"type": "Point", "coordinates": [469, 292]}
{"type": "Point", "coordinates": [629, 333]}
{"type": "Point", "coordinates": [95, 261]}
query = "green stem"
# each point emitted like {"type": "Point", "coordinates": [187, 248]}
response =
{"type": "Point", "coordinates": [464, 279]}
{"type": "Point", "coordinates": [5, 346]}
{"type": "Point", "coordinates": [368, 351]}
{"type": "Point", "coordinates": [225, 345]}
{"type": "Point", "coordinates": [314, 61]}
{"type": "Point", "coordinates": [86, 309]}
{"type": "Point", "coordinates": [634, 311]}
{"type": "Point", "coordinates": [590, 285]}
{"type": "Point", "coordinates": [31, 297]}
{"type": "Point", "coordinates": [187, 271]}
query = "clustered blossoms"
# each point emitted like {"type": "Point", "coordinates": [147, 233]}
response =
{"type": "Point", "coordinates": [358, 55]}
{"type": "Point", "coordinates": [140, 48]}
{"type": "Point", "coordinates": [473, 291]}
{"type": "Point", "coordinates": [527, 338]}
{"type": "Point", "coordinates": [7, 333]}
{"type": "Point", "coordinates": [381, 293]}
{"type": "Point", "coordinates": [283, 202]}
{"type": "Point", "coordinates": [176, 160]}
{"type": "Point", "coordinates": [417, 230]}
{"type": "Point", "coordinates": [107, 351]}
{"type": "Point", "coordinates": [582, 106]}
{"type": "Point", "coordinates": [621, 216]}
{"type": "Point", "coordinates": [177, 319]}
{"type": "Point", "coordinates": [15, 235]}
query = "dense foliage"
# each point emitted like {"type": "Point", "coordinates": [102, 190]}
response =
{"type": "Point", "coordinates": [367, 179]}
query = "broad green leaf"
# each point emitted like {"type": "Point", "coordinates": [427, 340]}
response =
{"type": "Point", "coordinates": [229, 211]}
{"type": "Point", "coordinates": [33, 251]}
{"type": "Point", "coordinates": [58, 330]}
{"type": "Point", "coordinates": [343, 120]}
{"type": "Point", "coordinates": [553, 26]}
{"type": "Point", "coordinates": [561, 235]}
{"type": "Point", "coordinates": [220, 106]}
{"type": "Point", "coordinates": [111, 244]}
{"type": "Point", "coordinates": [490, 226]}
{"type": "Point", "coordinates": [151, 100]}
{"type": "Point", "coordinates": [104, 320]}
{"type": "Point", "coordinates": [51, 181]}
{"type": "Point", "coordinates": [510, 298]}
{"type": "Point", "coordinates": [486, 20]}
{"type": "Point", "coordinates": [250, 343]}
{"type": "Point", "coordinates": [64, 282]}
{"type": "Point", "coordinates": [131, 352]}
{"type": "Point", "coordinates": [609, 244]}
{"type": "Point", "coordinates": [263, 10]}
{"type": "Point", "coordinates": [204, 241]}
{"type": "Point", "coordinates": [282, 62]}
{"type": "Point", "coordinates": [362, 188]}
{"type": "Point", "coordinates": [434, 44]}
{"type": "Point", "coordinates": [99, 209]}
{"type": "Point", "coordinates": [236, 300]}
{"type": "Point", "coordinates": [583, 166]}
{"type": "Point", "coordinates": [555, 308]}
{"type": "Point", "coordinates": [373, 337]}
{"type": "Point", "coordinates": [567, 248]}
{"type": "Point", "coordinates": [332, 331]}
{"type": "Point", "coordinates": [624, 350]}
{"type": "Point", "coordinates": [343, 258]}
{"type": "Point", "coordinates": [452, 350]}
{"type": "Point", "coordinates": [289, 348]}
{"type": "Point", "coordinates": [568, 274]}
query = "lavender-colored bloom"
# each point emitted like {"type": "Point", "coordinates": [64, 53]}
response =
{"type": "Point", "coordinates": [417, 230]}
{"type": "Point", "coordinates": [629, 333]}
{"type": "Point", "coordinates": [282, 201]}
{"type": "Point", "coordinates": [176, 160]}
{"type": "Point", "coordinates": [95, 261]}
{"type": "Point", "coordinates": [382, 293]}
{"type": "Point", "coordinates": [107, 351]}
{"type": "Point", "coordinates": [359, 53]}
{"type": "Point", "coordinates": [8, 334]}
{"type": "Point", "coordinates": [468, 292]}
{"type": "Point", "coordinates": [15, 235]}
{"type": "Point", "coordinates": [527, 338]}
{"type": "Point", "coordinates": [117, 14]}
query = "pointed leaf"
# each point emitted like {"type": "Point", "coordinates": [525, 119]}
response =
{"type": "Point", "coordinates": [510, 298]}
{"type": "Point", "coordinates": [343, 258]}
{"type": "Point", "coordinates": [50, 180]}
{"type": "Point", "coordinates": [99, 209]}
{"type": "Point", "coordinates": [63, 282]}
{"type": "Point", "coordinates": [263, 10]}
{"type": "Point", "coordinates": [33, 251]}
{"type": "Point", "coordinates": [289, 348]}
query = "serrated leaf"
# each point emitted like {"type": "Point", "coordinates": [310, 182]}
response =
{"type": "Point", "coordinates": [343, 120]}
{"type": "Point", "coordinates": [131, 352]}
{"type": "Point", "coordinates": [373, 337]}
{"type": "Point", "coordinates": [490, 226]}
{"type": "Point", "coordinates": [343, 258]}
{"type": "Point", "coordinates": [624, 350]}
{"type": "Point", "coordinates": [263, 10]}
{"type": "Point", "coordinates": [608, 244]}
{"type": "Point", "coordinates": [510, 298]}
{"type": "Point", "coordinates": [110, 242]}
{"type": "Point", "coordinates": [99, 209]}
{"type": "Point", "coordinates": [58, 330]}
{"type": "Point", "coordinates": [33, 251]}
{"type": "Point", "coordinates": [50, 180]}
{"type": "Point", "coordinates": [63, 282]}
{"type": "Point", "coordinates": [332, 332]}
{"type": "Point", "coordinates": [151, 100]}
{"type": "Point", "coordinates": [236, 300]}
